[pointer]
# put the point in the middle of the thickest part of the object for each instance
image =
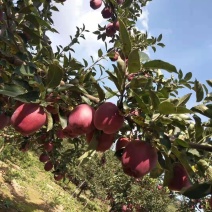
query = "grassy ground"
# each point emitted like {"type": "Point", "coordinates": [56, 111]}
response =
{"type": "Point", "coordinates": [26, 187]}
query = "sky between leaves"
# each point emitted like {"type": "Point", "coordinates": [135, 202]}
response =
{"type": "Point", "coordinates": [186, 27]}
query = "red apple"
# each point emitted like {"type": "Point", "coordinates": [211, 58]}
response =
{"type": "Point", "coordinates": [48, 146]}
{"type": "Point", "coordinates": [122, 143]}
{"type": "Point", "coordinates": [48, 166]}
{"type": "Point", "coordinates": [180, 178]}
{"type": "Point", "coordinates": [58, 177]}
{"type": "Point", "coordinates": [44, 158]}
{"type": "Point", "coordinates": [110, 30]}
{"type": "Point", "coordinates": [107, 12]}
{"type": "Point", "coordinates": [160, 187]}
{"type": "Point", "coordinates": [104, 140]}
{"type": "Point", "coordinates": [95, 4]}
{"type": "Point", "coordinates": [28, 118]}
{"type": "Point", "coordinates": [80, 121]}
{"type": "Point", "coordinates": [4, 121]}
{"type": "Point", "coordinates": [114, 57]}
{"type": "Point", "coordinates": [107, 118]}
{"type": "Point", "coordinates": [119, 1]}
{"type": "Point", "coordinates": [116, 25]}
{"type": "Point", "coordinates": [139, 158]}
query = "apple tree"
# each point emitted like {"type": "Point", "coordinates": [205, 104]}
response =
{"type": "Point", "coordinates": [54, 101]}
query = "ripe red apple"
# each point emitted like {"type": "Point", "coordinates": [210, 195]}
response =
{"type": "Point", "coordinates": [139, 158]}
{"type": "Point", "coordinates": [104, 140]}
{"type": "Point", "coordinates": [122, 143]}
{"type": "Point", "coordinates": [119, 1]}
{"type": "Point", "coordinates": [116, 25]}
{"type": "Point", "coordinates": [160, 187]}
{"type": "Point", "coordinates": [126, 208]}
{"type": "Point", "coordinates": [48, 166]}
{"type": "Point", "coordinates": [110, 30]}
{"type": "Point", "coordinates": [48, 146]}
{"type": "Point", "coordinates": [107, 118]}
{"type": "Point", "coordinates": [107, 12]}
{"type": "Point", "coordinates": [58, 177]}
{"type": "Point", "coordinates": [114, 57]}
{"type": "Point", "coordinates": [4, 121]}
{"type": "Point", "coordinates": [95, 4]}
{"type": "Point", "coordinates": [28, 118]}
{"type": "Point", "coordinates": [44, 158]}
{"type": "Point", "coordinates": [180, 178]}
{"type": "Point", "coordinates": [80, 120]}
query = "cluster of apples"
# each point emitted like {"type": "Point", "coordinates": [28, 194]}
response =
{"type": "Point", "coordinates": [107, 12]}
{"type": "Point", "coordinates": [102, 124]}
{"type": "Point", "coordinates": [138, 158]}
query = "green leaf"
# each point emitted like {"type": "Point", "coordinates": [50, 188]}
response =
{"type": "Point", "coordinates": [209, 82]}
{"type": "Point", "coordinates": [203, 109]}
{"type": "Point", "coordinates": [155, 100]}
{"type": "Point", "coordinates": [183, 100]}
{"type": "Point", "coordinates": [157, 171]}
{"type": "Point", "coordinates": [143, 56]}
{"type": "Point", "coordinates": [188, 76]}
{"type": "Point", "coordinates": [159, 38]}
{"type": "Point", "coordinates": [49, 121]}
{"type": "Point", "coordinates": [199, 91]}
{"type": "Point", "coordinates": [54, 76]}
{"type": "Point", "coordinates": [100, 91]}
{"type": "Point", "coordinates": [166, 108]}
{"type": "Point", "coordinates": [183, 160]}
{"type": "Point", "coordinates": [181, 142]}
{"type": "Point", "coordinates": [125, 38]}
{"type": "Point", "coordinates": [127, 4]}
{"type": "Point", "coordinates": [25, 70]}
{"type": "Point", "coordinates": [63, 120]}
{"type": "Point", "coordinates": [100, 53]}
{"type": "Point", "coordinates": [11, 90]}
{"type": "Point", "coordinates": [159, 64]}
{"type": "Point", "coordinates": [165, 141]}
{"type": "Point", "coordinates": [114, 79]}
{"type": "Point", "coordinates": [134, 64]}
{"type": "Point", "coordinates": [32, 96]}
{"type": "Point", "coordinates": [197, 191]}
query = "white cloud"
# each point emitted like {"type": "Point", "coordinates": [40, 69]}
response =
{"type": "Point", "coordinates": [144, 18]}
{"type": "Point", "coordinates": [77, 13]}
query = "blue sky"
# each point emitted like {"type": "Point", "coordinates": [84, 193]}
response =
{"type": "Point", "coordinates": [187, 33]}
{"type": "Point", "coordinates": [186, 27]}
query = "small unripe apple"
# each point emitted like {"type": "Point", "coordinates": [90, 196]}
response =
{"type": "Point", "coordinates": [95, 4]}
{"type": "Point", "coordinates": [28, 118]}
{"type": "Point", "coordinates": [48, 166]}
{"type": "Point", "coordinates": [44, 158]}
{"type": "Point", "coordinates": [107, 118]}
{"type": "Point", "coordinates": [107, 12]}
{"type": "Point", "coordinates": [139, 158]}
{"type": "Point", "coordinates": [110, 30]}
{"type": "Point", "coordinates": [48, 146]}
